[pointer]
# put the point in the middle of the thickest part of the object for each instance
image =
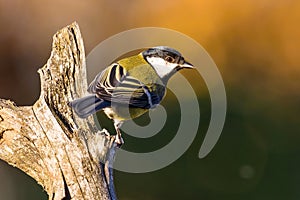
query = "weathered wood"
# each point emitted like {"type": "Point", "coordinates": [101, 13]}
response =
{"type": "Point", "coordinates": [67, 155]}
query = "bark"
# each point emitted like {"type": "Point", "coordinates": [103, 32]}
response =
{"type": "Point", "coordinates": [67, 155]}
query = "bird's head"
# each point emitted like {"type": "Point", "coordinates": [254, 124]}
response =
{"type": "Point", "coordinates": [166, 61]}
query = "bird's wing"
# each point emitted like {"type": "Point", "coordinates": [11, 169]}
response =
{"type": "Point", "coordinates": [115, 85]}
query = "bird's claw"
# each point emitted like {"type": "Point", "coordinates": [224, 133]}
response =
{"type": "Point", "coordinates": [105, 132]}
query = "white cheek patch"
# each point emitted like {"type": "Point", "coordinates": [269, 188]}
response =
{"type": "Point", "coordinates": [161, 66]}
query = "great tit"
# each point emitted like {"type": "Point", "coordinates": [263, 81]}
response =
{"type": "Point", "coordinates": [131, 86]}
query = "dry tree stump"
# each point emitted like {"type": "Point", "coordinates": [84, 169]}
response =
{"type": "Point", "coordinates": [67, 155]}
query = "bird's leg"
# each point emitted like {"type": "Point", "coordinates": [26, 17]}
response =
{"type": "Point", "coordinates": [119, 139]}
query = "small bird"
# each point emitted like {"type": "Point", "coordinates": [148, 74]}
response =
{"type": "Point", "coordinates": [131, 86]}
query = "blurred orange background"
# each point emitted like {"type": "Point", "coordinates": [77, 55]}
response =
{"type": "Point", "coordinates": [254, 44]}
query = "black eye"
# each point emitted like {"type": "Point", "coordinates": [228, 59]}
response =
{"type": "Point", "coordinates": [169, 59]}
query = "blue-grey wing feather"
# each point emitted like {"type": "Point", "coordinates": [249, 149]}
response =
{"type": "Point", "coordinates": [115, 85]}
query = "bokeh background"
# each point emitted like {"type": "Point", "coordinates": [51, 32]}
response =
{"type": "Point", "coordinates": [254, 43]}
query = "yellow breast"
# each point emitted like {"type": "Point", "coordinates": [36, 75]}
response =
{"type": "Point", "coordinates": [123, 112]}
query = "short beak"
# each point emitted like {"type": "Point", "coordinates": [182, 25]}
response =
{"type": "Point", "coordinates": [187, 65]}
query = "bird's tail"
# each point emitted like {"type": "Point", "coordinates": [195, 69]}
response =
{"type": "Point", "coordinates": [88, 105]}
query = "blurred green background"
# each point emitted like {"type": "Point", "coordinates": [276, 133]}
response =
{"type": "Point", "coordinates": [254, 43]}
